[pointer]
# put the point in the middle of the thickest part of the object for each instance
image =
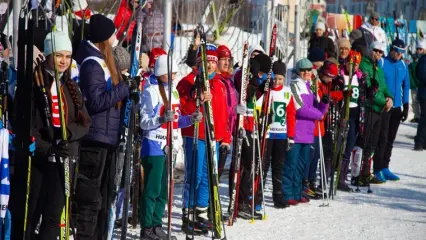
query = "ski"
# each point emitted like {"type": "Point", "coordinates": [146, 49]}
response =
{"type": "Point", "coordinates": [238, 143]}
{"type": "Point", "coordinates": [130, 117]}
{"type": "Point", "coordinates": [215, 206]}
{"type": "Point", "coordinates": [4, 18]}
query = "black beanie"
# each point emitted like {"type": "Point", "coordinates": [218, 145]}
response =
{"type": "Point", "coordinates": [279, 68]}
{"type": "Point", "coordinates": [264, 62]}
{"type": "Point", "coordinates": [101, 28]}
{"type": "Point", "coordinates": [316, 55]}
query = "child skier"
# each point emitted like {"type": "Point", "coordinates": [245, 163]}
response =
{"type": "Point", "coordinates": [281, 131]}
{"type": "Point", "coordinates": [154, 116]}
{"type": "Point", "coordinates": [354, 112]}
{"type": "Point", "coordinates": [47, 168]}
{"type": "Point", "coordinates": [197, 179]}
{"type": "Point", "coordinates": [306, 114]}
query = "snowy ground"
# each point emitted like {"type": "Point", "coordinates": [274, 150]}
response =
{"type": "Point", "coordinates": [396, 210]}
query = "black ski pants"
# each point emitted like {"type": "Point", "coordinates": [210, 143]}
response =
{"type": "Point", "coordinates": [245, 191]}
{"type": "Point", "coordinates": [276, 150]}
{"type": "Point", "coordinates": [388, 130]}
{"type": "Point", "coordinates": [47, 198]}
{"type": "Point", "coordinates": [420, 138]}
{"type": "Point", "coordinates": [369, 140]}
{"type": "Point", "coordinates": [95, 190]}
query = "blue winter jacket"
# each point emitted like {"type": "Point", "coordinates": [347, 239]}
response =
{"type": "Point", "coordinates": [397, 80]}
{"type": "Point", "coordinates": [100, 96]}
{"type": "Point", "coordinates": [421, 76]}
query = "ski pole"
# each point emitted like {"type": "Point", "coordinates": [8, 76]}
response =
{"type": "Point", "coordinates": [322, 170]}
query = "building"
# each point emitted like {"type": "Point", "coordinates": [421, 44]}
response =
{"type": "Point", "coordinates": [410, 9]}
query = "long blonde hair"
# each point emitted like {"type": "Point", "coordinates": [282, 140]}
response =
{"type": "Point", "coordinates": [106, 50]}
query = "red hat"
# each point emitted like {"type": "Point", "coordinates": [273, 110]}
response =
{"type": "Point", "coordinates": [155, 53]}
{"type": "Point", "coordinates": [223, 52]}
{"type": "Point", "coordinates": [329, 69]}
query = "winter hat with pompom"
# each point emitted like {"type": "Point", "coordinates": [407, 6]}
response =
{"type": "Point", "coordinates": [161, 66]}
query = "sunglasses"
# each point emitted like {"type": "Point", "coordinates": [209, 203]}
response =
{"type": "Point", "coordinates": [378, 51]}
{"type": "Point", "coordinates": [374, 19]}
{"type": "Point", "coordinates": [305, 69]}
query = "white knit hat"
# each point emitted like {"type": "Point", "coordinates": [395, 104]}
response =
{"type": "Point", "coordinates": [61, 42]}
{"type": "Point", "coordinates": [421, 43]}
{"type": "Point", "coordinates": [320, 25]}
{"type": "Point", "coordinates": [161, 66]}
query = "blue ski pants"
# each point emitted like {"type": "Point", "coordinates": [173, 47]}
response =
{"type": "Point", "coordinates": [196, 174]}
{"type": "Point", "coordinates": [312, 165]}
{"type": "Point", "coordinates": [294, 169]}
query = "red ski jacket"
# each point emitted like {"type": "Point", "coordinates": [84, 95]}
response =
{"type": "Point", "coordinates": [220, 114]}
{"type": "Point", "coordinates": [121, 20]}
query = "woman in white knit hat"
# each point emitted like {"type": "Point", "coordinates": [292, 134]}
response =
{"type": "Point", "coordinates": [320, 40]}
{"type": "Point", "coordinates": [47, 196]}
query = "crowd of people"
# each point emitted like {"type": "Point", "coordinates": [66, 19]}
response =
{"type": "Point", "coordinates": [304, 113]}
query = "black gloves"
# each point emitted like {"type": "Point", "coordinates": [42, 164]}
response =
{"type": "Point", "coordinates": [326, 99]}
{"type": "Point", "coordinates": [134, 96]}
{"type": "Point", "coordinates": [61, 150]}
{"type": "Point", "coordinates": [404, 114]}
{"type": "Point", "coordinates": [131, 84]}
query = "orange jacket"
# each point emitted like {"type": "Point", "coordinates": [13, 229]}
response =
{"type": "Point", "coordinates": [335, 96]}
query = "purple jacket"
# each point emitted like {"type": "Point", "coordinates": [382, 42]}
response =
{"type": "Point", "coordinates": [231, 100]}
{"type": "Point", "coordinates": [308, 109]}
{"type": "Point", "coordinates": [100, 96]}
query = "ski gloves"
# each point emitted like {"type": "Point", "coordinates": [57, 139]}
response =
{"type": "Point", "coordinates": [168, 116]}
{"type": "Point", "coordinates": [61, 150]}
{"type": "Point", "coordinates": [404, 114]}
{"type": "Point", "coordinates": [326, 99]}
{"type": "Point", "coordinates": [196, 117]}
{"type": "Point", "coordinates": [132, 84]}
{"type": "Point", "coordinates": [290, 144]}
{"type": "Point", "coordinates": [241, 109]}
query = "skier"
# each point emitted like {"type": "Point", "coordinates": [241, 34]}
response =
{"type": "Point", "coordinates": [344, 48]}
{"type": "Point", "coordinates": [378, 100]}
{"type": "Point", "coordinates": [354, 112]}
{"type": "Point", "coordinates": [259, 66]}
{"type": "Point", "coordinates": [420, 139]}
{"type": "Point", "coordinates": [398, 83]}
{"type": "Point", "coordinates": [319, 40]}
{"type": "Point", "coordinates": [373, 32]}
{"type": "Point", "coordinates": [280, 133]}
{"type": "Point", "coordinates": [306, 114]}
{"type": "Point", "coordinates": [414, 82]}
{"type": "Point", "coordinates": [154, 116]}
{"type": "Point", "coordinates": [224, 55]}
{"type": "Point", "coordinates": [217, 96]}
{"type": "Point", "coordinates": [47, 175]}
{"type": "Point", "coordinates": [103, 90]}
{"type": "Point", "coordinates": [326, 75]}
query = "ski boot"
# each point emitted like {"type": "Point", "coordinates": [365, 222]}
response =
{"type": "Point", "coordinates": [161, 234]}
{"type": "Point", "coordinates": [148, 234]}
{"type": "Point", "coordinates": [191, 225]}
{"type": "Point", "coordinates": [244, 212]}
{"type": "Point", "coordinates": [202, 217]}
{"type": "Point", "coordinates": [379, 176]}
{"type": "Point", "coordinates": [279, 201]}
{"type": "Point", "coordinates": [388, 175]}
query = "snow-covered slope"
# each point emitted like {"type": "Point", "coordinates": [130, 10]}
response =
{"type": "Point", "coordinates": [396, 210]}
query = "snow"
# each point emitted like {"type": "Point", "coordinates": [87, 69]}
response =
{"type": "Point", "coordinates": [395, 210]}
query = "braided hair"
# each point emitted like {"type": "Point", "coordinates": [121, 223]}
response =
{"type": "Point", "coordinates": [76, 98]}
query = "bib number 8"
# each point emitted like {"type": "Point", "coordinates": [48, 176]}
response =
{"type": "Point", "coordinates": [355, 94]}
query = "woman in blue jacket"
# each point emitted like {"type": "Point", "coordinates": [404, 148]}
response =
{"type": "Point", "coordinates": [103, 90]}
